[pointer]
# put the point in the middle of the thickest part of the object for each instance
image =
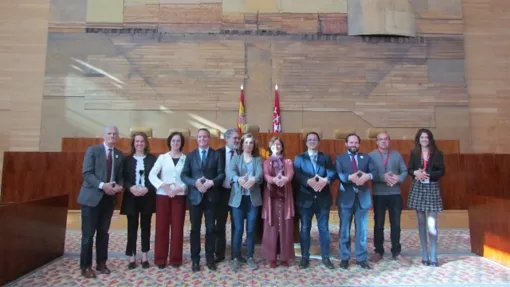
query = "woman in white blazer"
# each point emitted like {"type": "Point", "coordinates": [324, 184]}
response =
{"type": "Point", "coordinates": [170, 202]}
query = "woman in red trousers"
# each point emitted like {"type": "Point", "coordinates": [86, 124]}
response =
{"type": "Point", "coordinates": [170, 202]}
{"type": "Point", "coordinates": [278, 206]}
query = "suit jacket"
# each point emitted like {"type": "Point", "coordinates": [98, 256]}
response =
{"type": "Point", "coordinates": [94, 172]}
{"type": "Point", "coordinates": [347, 193]}
{"type": "Point", "coordinates": [238, 169]}
{"type": "Point", "coordinates": [165, 171]}
{"type": "Point", "coordinates": [303, 170]}
{"type": "Point", "coordinates": [148, 201]}
{"type": "Point", "coordinates": [193, 170]}
{"type": "Point", "coordinates": [435, 166]}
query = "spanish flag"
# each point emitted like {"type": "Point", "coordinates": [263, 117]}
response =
{"type": "Point", "coordinates": [241, 119]}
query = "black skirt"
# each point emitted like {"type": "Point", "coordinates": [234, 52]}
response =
{"type": "Point", "coordinates": [425, 197]}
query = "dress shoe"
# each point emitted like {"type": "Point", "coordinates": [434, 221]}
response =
{"type": "Point", "coordinates": [327, 262]}
{"type": "Point", "coordinates": [272, 264]}
{"type": "Point", "coordinates": [285, 263]}
{"type": "Point", "coordinates": [395, 256]}
{"type": "Point", "coordinates": [88, 273]}
{"type": "Point", "coordinates": [305, 262]}
{"type": "Point", "coordinates": [219, 259]}
{"type": "Point", "coordinates": [195, 266]}
{"type": "Point", "coordinates": [425, 262]}
{"type": "Point", "coordinates": [211, 265]}
{"type": "Point", "coordinates": [101, 268]}
{"type": "Point", "coordinates": [175, 265]}
{"type": "Point", "coordinates": [131, 265]}
{"type": "Point", "coordinates": [145, 264]}
{"type": "Point", "coordinates": [376, 258]}
{"type": "Point", "coordinates": [363, 265]}
{"type": "Point", "coordinates": [344, 264]}
{"type": "Point", "coordinates": [161, 266]}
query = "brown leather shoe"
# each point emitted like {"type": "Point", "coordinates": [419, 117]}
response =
{"type": "Point", "coordinates": [375, 258]}
{"type": "Point", "coordinates": [88, 273]}
{"type": "Point", "coordinates": [101, 268]}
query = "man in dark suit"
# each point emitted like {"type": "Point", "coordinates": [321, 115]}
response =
{"type": "Point", "coordinates": [315, 172]}
{"type": "Point", "coordinates": [354, 170]}
{"type": "Point", "coordinates": [226, 153]}
{"type": "Point", "coordinates": [203, 173]}
{"type": "Point", "coordinates": [102, 179]}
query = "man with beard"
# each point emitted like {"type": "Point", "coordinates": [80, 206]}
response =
{"type": "Point", "coordinates": [226, 154]}
{"type": "Point", "coordinates": [354, 170]}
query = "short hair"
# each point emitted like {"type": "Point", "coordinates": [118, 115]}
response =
{"type": "Point", "coordinates": [169, 140]}
{"type": "Point", "coordinates": [255, 151]}
{"type": "Point", "coordinates": [228, 133]}
{"type": "Point", "coordinates": [312, 133]}
{"type": "Point", "coordinates": [272, 141]}
{"type": "Point", "coordinates": [385, 132]}
{"type": "Point", "coordinates": [205, 130]}
{"type": "Point", "coordinates": [110, 127]}
{"type": "Point", "coordinates": [147, 149]}
{"type": "Point", "coordinates": [350, 135]}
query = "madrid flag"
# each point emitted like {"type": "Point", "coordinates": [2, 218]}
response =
{"type": "Point", "coordinates": [277, 124]}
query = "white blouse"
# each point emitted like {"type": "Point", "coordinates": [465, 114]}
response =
{"type": "Point", "coordinates": [140, 180]}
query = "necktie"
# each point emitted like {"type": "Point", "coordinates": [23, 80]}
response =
{"type": "Point", "coordinates": [109, 165]}
{"type": "Point", "coordinates": [231, 154]}
{"type": "Point", "coordinates": [354, 164]}
{"type": "Point", "coordinates": [203, 158]}
{"type": "Point", "coordinates": [314, 162]}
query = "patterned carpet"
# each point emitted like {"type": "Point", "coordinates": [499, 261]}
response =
{"type": "Point", "coordinates": [458, 268]}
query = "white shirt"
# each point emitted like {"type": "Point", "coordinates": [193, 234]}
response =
{"type": "Point", "coordinates": [107, 150]}
{"type": "Point", "coordinates": [228, 177]}
{"type": "Point", "coordinates": [140, 180]}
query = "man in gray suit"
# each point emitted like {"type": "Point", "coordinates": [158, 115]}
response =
{"type": "Point", "coordinates": [102, 179]}
{"type": "Point", "coordinates": [354, 170]}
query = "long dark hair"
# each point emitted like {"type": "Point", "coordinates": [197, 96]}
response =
{"type": "Point", "coordinates": [147, 149]}
{"type": "Point", "coordinates": [417, 146]}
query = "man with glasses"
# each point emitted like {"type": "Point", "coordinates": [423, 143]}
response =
{"type": "Point", "coordinates": [315, 172]}
{"type": "Point", "coordinates": [391, 171]}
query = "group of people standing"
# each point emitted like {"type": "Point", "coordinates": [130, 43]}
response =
{"type": "Point", "coordinates": [236, 180]}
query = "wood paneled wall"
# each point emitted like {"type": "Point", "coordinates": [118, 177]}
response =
{"type": "Point", "coordinates": [63, 170]}
{"type": "Point", "coordinates": [487, 45]}
{"type": "Point", "coordinates": [23, 38]}
{"type": "Point", "coordinates": [32, 234]}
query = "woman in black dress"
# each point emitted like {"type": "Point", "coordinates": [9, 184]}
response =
{"type": "Point", "coordinates": [426, 166]}
{"type": "Point", "coordinates": [139, 199]}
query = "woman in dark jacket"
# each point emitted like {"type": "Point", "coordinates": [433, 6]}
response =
{"type": "Point", "coordinates": [139, 198]}
{"type": "Point", "coordinates": [426, 166]}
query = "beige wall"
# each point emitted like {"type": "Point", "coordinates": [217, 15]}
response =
{"type": "Point", "coordinates": [487, 44]}
{"type": "Point", "coordinates": [23, 37]}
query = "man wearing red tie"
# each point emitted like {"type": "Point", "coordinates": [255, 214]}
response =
{"type": "Point", "coordinates": [102, 179]}
{"type": "Point", "coordinates": [354, 170]}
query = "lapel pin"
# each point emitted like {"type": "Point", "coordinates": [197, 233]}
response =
{"type": "Point", "coordinates": [116, 156]}
{"type": "Point", "coordinates": [360, 156]}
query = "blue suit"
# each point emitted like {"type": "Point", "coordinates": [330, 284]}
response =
{"type": "Point", "coordinates": [353, 200]}
{"type": "Point", "coordinates": [310, 202]}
